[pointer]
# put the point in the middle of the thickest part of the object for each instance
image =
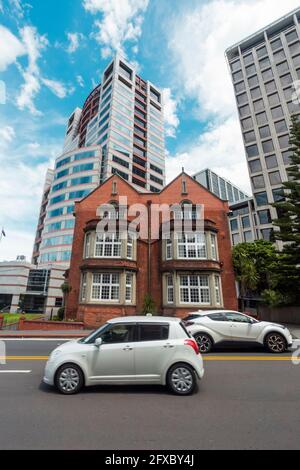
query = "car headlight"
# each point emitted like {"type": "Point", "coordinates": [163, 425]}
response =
{"type": "Point", "coordinates": [54, 354]}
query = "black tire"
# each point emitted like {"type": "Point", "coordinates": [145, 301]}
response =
{"type": "Point", "coordinates": [204, 341]}
{"type": "Point", "coordinates": [275, 343]}
{"type": "Point", "coordinates": [74, 379]}
{"type": "Point", "coordinates": [181, 379]}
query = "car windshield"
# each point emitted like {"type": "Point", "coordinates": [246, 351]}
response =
{"type": "Point", "coordinates": [91, 338]}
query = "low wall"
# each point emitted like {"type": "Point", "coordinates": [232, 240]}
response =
{"type": "Point", "coordinates": [280, 315]}
{"type": "Point", "coordinates": [48, 325]}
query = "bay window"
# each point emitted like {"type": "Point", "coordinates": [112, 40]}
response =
{"type": "Point", "coordinates": [192, 246]}
{"type": "Point", "coordinates": [194, 289]}
{"type": "Point", "coordinates": [108, 245]}
{"type": "Point", "coordinates": [106, 287]}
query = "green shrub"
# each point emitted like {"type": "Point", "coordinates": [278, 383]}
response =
{"type": "Point", "coordinates": [61, 314]}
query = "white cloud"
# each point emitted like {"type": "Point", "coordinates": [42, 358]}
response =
{"type": "Point", "coordinates": [58, 88]}
{"type": "Point", "coordinates": [19, 207]}
{"type": "Point", "coordinates": [170, 113]}
{"type": "Point", "coordinates": [80, 81]}
{"type": "Point", "coordinates": [10, 48]}
{"type": "Point", "coordinates": [197, 40]}
{"type": "Point", "coordinates": [219, 148]}
{"type": "Point", "coordinates": [121, 22]}
{"type": "Point", "coordinates": [74, 42]}
{"type": "Point", "coordinates": [34, 44]}
{"type": "Point", "coordinates": [16, 242]}
{"type": "Point", "coordinates": [16, 8]}
{"type": "Point", "coordinates": [7, 133]}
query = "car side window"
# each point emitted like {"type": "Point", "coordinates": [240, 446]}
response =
{"type": "Point", "coordinates": [236, 318]}
{"type": "Point", "coordinates": [153, 332]}
{"type": "Point", "coordinates": [217, 317]}
{"type": "Point", "coordinates": [121, 333]}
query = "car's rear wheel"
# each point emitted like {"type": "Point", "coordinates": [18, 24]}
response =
{"type": "Point", "coordinates": [204, 342]}
{"type": "Point", "coordinates": [69, 379]}
{"type": "Point", "coordinates": [181, 379]}
{"type": "Point", "coordinates": [276, 343]}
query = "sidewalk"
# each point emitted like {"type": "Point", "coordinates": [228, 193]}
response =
{"type": "Point", "coordinates": [69, 334]}
{"type": "Point", "coordinates": [294, 329]}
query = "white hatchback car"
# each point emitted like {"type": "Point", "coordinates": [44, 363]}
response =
{"type": "Point", "coordinates": [129, 350]}
{"type": "Point", "coordinates": [219, 327]}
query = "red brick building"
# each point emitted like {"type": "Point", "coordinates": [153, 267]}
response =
{"type": "Point", "coordinates": [110, 276]}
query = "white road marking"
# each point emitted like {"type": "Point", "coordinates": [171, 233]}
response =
{"type": "Point", "coordinates": [15, 371]}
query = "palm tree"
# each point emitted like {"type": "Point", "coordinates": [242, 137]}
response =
{"type": "Point", "coordinates": [245, 271]}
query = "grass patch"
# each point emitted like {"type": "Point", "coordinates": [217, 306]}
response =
{"type": "Point", "coordinates": [10, 318]}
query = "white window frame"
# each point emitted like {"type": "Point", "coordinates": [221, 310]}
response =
{"type": "Point", "coordinates": [214, 248]}
{"type": "Point", "coordinates": [130, 246]}
{"type": "Point", "coordinates": [197, 245]}
{"type": "Point", "coordinates": [190, 287]}
{"type": "Point", "coordinates": [83, 287]}
{"type": "Point", "coordinates": [98, 285]}
{"type": "Point", "coordinates": [217, 285]}
{"type": "Point", "coordinates": [107, 241]}
{"type": "Point", "coordinates": [170, 288]}
{"type": "Point", "coordinates": [128, 288]}
{"type": "Point", "coordinates": [169, 249]}
{"type": "Point", "coordinates": [87, 245]}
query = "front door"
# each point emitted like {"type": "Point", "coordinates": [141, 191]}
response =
{"type": "Point", "coordinates": [241, 327]}
{"type": "Point", "coordinates": [113, 361]}
{"type": "Point", "coordinates": [153, 350]}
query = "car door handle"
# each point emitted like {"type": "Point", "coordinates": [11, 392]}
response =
{"type": "Point", "coordinates": [128, 348]}
{"type": "Point", "coordinates": [169, 345]}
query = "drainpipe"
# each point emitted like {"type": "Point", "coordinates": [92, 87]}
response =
{"type": "Point", "coordinates": [149, 246]}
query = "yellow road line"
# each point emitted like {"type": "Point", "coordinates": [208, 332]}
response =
{"type": "Point", "coordinates": [246, 358]}
{"type": "Point", "coordinates": [24, 358]}
{"type": "Point", "coordinates": [205, 358]}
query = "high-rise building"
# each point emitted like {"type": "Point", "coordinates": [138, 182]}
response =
{"type": "Point", "coordinates": [119, 130]}
{"type": "Point", "coordinates": [220, 186]}
{"type": "Point", "coordinates": [242, 216]}
{"type": "Point", "coordinates": [264, 69]}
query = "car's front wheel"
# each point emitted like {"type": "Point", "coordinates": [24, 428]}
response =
{"type": "Point", "coordinates": [204, 342]}
{"type": "Point", "coordinates": [69, 379]}
{"type": "Point", "coordinates": [181, 379]}
{"type": "Point", "coordinates": [276, 343]}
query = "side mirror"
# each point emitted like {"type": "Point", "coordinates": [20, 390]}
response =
{"type": "Point", "coordinates": [98, 342]}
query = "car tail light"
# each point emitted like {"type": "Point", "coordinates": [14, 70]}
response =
{"type": "Point", "coordinates": [193, 344]}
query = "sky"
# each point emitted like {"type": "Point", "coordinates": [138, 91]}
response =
{"type": "Point", "coordinates": [52, 54]}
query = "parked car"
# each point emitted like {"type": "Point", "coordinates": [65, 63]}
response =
{"type": "Point", "coordinates": [218, 327]}
{"type": "Point", "coordinates": [129, 350]}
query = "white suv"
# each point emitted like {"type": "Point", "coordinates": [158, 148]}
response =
{"type": "Point", "coordinates": [129, 350]}
{"type": "Point", "coordinates": [220, 327]}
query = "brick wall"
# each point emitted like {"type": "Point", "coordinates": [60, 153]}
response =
{"type": "Point", "coordinates": [215, 210]}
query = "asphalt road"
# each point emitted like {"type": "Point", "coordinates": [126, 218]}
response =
{"type": "Point", "coordinates": [247, 400]}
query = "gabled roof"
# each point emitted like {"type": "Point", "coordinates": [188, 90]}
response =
{"type": "Point", "coordinates": [143, 192]}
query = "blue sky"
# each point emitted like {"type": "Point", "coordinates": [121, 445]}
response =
{"type": "Point", "coordinates": [52, 53]}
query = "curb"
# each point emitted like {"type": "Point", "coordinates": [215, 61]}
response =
{"type": "Point", "coordinates": [41, 336]}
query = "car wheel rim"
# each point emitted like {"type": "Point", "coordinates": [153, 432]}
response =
{"type": "Point", "coordinates": [182, 379]}
{"type": "Point", "coordinates": [204, 343]}
{"type": "Point", "coordinates": [69, 379]}
{"type": "Point", "coordinates": [276, 343]}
